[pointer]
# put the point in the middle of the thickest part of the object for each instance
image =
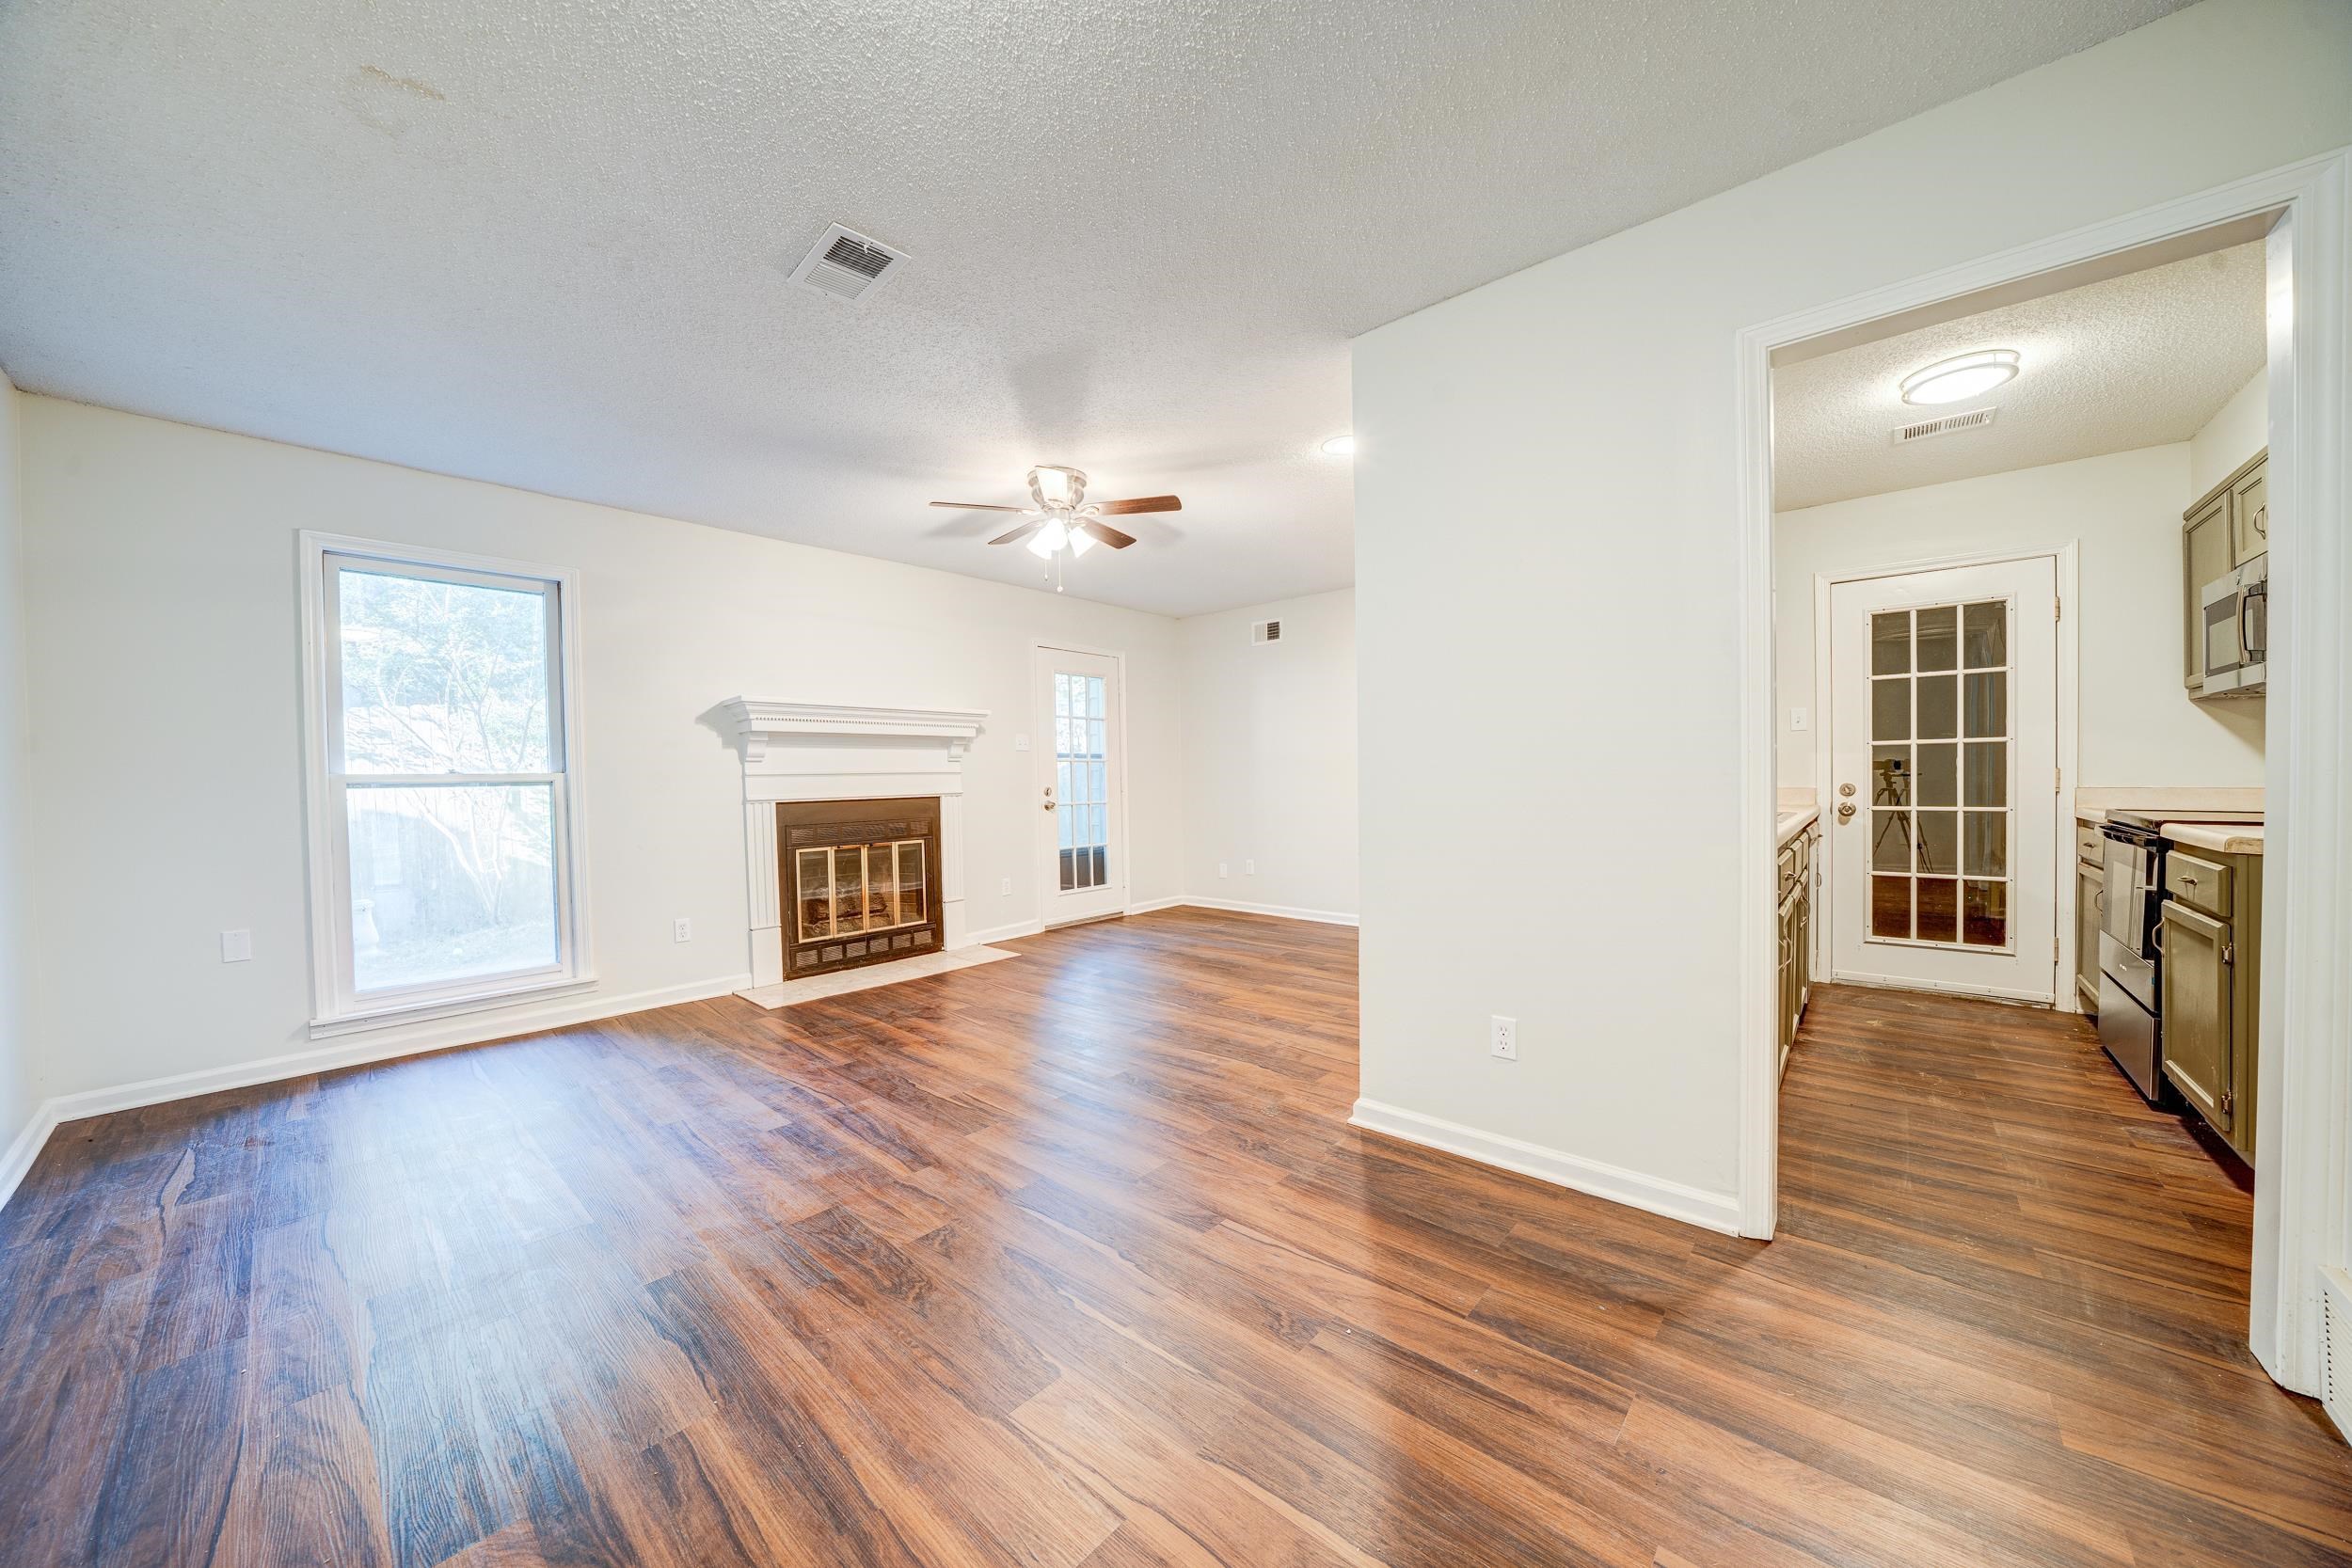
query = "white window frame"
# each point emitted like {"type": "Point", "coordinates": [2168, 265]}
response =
{"type": "Point", "coordinates": [338, 1006]}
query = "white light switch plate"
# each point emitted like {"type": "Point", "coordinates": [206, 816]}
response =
{"type": "Point", "coordinates": [236, 948]}
{"type": "Point", "coordinates": [1799, 718]}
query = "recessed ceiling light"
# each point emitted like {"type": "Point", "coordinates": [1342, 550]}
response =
{"type": "Point", "coordinates": [1957, 380]}
{"type": "Point", "coordinates": [1339, 445]}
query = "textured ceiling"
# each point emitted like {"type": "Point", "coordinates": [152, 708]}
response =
{"type": "Point", "coordinates": [2132, 361]}
{"type": "Point", "coordinates": [546, 243]}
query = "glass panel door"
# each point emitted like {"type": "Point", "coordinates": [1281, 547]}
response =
{"type": "Point", "coordinates": [1940, 791]}
{"type": "Point", "coordinates": [1081, 769]}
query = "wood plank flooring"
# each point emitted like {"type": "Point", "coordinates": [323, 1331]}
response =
{"type": "Point", "coordinates": [1072, 1262]}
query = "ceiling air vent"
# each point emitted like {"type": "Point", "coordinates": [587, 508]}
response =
{"type": "Point", "coordinates": [1266, 631]}
{"type": "Point", "coordinates": [1948, 424]}
{"type": "Point", "coordinates": [848, 265]}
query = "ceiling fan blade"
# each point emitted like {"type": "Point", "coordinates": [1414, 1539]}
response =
{"type": "Point", "coordinates": [1019, 533]}
{"type": "Point", "coordinates": [1142, 504]}
{"type": "Point", "coordinates": [979, 506]}
{"type": "Point", "coordinates": [1106, 533]}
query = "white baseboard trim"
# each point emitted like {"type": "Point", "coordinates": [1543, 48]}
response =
{"type": "Point", "coordinates": [381, 1045]}
{"type": "Point", "coordinates": [1280, 912]}
{"type": "Point", "coordinates": [1151, 906]}
{"type": "Point", "coordinates": [1709, 1210]}
{"type": "Point", "coordinates": [999, 933]}
{"type": "Point", "coordinates": [27, 1146]}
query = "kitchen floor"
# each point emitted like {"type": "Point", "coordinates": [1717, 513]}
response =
{"type": "Point", "coordinates": [1072, 1261]}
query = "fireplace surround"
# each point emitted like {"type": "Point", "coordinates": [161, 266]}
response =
{"type": "Point", "coordinates": [885, 757]}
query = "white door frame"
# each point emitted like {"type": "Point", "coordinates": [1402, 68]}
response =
{"type": "Point", "coordinates": [1041, 654]}
{"type": "Point", "coordinates": [2302, 1211]}
{"type": "Point", "coordinates": [2066, 558]}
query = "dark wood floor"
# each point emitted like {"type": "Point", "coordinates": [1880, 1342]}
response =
{"type": "Point", "coordinates": [1071, 1261]}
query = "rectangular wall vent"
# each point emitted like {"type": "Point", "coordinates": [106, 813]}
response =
{"type": "Point", "coordinates": [848, 265]}
{"type": "Point", "coordinates": [2335, 1347]}
{"type": "Point", "coordinates": [1945, 425]}
{"type": "Point", "coordinates": [1266, 631]}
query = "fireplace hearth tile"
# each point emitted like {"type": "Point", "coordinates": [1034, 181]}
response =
{"type": "Point", "coordinates": [816, 988]}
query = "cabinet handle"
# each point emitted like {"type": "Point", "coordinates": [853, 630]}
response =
{"type": "Point", "coordinates": [2156, 938]}
{"type": "Point", "coordinates": [2099, 900]}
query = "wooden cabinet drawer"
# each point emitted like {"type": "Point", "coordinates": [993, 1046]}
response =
{"type": "Point", "coordinates": [2090, 844]}
{"type": "Point", "coordinates": [1788, 856]}
{"type": "Point", "coordinates": [2199, 883]}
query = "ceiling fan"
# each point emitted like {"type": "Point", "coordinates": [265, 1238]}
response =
{"type": "Point", "coordinates": [1063, 519]}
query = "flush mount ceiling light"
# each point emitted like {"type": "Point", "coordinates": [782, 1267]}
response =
{"type": "Point", "coordinates": [1339, 445]}
{"type": "Point", "coordinates": [1959, 379]}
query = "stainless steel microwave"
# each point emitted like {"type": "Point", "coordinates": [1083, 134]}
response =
{"type": "Point", "coordinates": [2237, 625]}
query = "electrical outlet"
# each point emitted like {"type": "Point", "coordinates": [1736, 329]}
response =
{"type": "Point", "coordinates": [1503, 1038]}
{"type": "Point", "coordinates": [1223, 870]}
{"type": "Point", "coordinates": [1006, 890]}
{"type": "Point", "coordinates": [1250, 868]}
{"type": "Point", "coordinates": [682, 930]}
{"type": "Point", "coordinates": [1020, 742]}
{"type": "Point", "coordinates": [1799, 720]}
{"type": "Point", "coordinates": [236, 948]}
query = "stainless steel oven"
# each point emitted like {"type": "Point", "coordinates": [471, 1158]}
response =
{"type": "Point", "coordinates": [2235, 621]}
{"type": "Point", "coordinates": [2133, 857]}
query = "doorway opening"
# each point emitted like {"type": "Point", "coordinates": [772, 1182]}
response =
{"type": "Point", "coordinates": [1886, 834]}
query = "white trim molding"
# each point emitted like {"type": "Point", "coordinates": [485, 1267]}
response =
{"type": "Point", "coordinates": [2302, 1200]}
{"type": "Point", "coordinates": [25, 1149]}
{"type": "Point", "coordinates": [1711, 1210]}
{"type": "Point", "coordinates": [833, 751]}
{"type": "Point", "coordinates": [1235, 906]}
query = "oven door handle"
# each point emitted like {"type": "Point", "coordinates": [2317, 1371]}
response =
{"type": "Point", "coordinates": [2248, 649]}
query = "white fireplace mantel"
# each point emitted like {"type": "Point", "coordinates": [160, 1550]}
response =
{"type": "Point", "coordinates": [833, 751]}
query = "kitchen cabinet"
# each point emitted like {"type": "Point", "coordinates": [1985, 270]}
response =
{"type": "Point", "coordinates": [1799, 874]}
{"type": "Point", "coordinates": [2210, 959]}
{"type": "Point", "coordinates": [2250, 512]}
{"type": "Point", "coordinates": [2228, 526]}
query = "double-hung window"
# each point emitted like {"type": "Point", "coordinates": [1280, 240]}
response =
{"type": "Point", "coordinates": [442, 809]}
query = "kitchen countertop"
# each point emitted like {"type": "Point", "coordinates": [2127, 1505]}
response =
{"type": "Point", "coordinates": [1792, 823]}
{"type": "Point", "coordinates": [2229, 838]}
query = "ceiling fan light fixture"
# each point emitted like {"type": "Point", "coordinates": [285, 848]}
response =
{"type": "Point", "coordinates": [1080, 541]}
{"type": "Point", "coordinates": [1054, 486]}
{"type": "Point", "coordinates": [1046, 541]}
{"type": "Point", "coordinates": [1957, 379]}
{"type": "Point", "coordinates": [1339, 445]}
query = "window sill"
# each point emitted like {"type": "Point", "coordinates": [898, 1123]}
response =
{"type": "Point", "coordinates": [446, 1006]}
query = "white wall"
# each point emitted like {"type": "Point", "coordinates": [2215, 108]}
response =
{"type": "Point", "coordinates": [1270, 756]}
{"type": "Point", "coordinates": [1559, 690]}
{"type": "Point", "coordinates": [2241, 429]}
{"type": "Point", "coordinates": [19, 1085]}
{"type": "Point", "coordinates": [2137, 724]}
{"type": "Point", "coordinates": [166, 774]}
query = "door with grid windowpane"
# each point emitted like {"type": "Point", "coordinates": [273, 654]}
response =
{"type": "Point", "coordinates": [1941, 810]}
{"type": "Point", "coordinates": [1081, 802]}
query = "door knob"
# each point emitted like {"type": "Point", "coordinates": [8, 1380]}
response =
{"type": "Point", "coordinates": [1845, 811]}
{"type": "Point", "coordinates": [1049, 805]}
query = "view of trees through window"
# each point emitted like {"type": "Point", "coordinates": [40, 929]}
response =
{"type": "Point", "coordinates": [450, 758]}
